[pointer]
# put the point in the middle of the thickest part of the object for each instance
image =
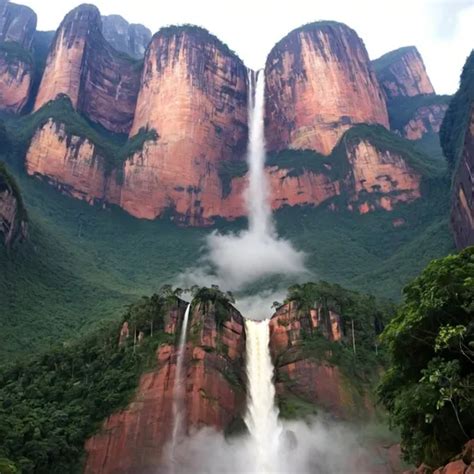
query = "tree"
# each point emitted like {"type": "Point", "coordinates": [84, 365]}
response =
{"type": "Point", "coordinates": [429, 388]}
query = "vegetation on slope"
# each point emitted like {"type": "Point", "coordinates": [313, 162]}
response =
{"type": "Point", "coordinates": [336, 165]}
{"type": "Point", "coordinates": [13, 53]}
{"type": "Point", "coordinates": [51, 404]}
{"type": "Point", "coordinates": [401, 110]}
{"type": "Point", "coordinates": [429, 388]}
{"type": "Point", "coordinates": [113, 148]}
{"type": "Point", "coordinates": [453, 129]}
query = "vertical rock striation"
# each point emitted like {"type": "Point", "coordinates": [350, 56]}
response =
{"type": "Point", "coordinates": [194, 94]}
{"type": "Point", "coordinates": [402, 73]}
{"type": "Point", "coordinates": [133, 439]}
{"type": "Point", "coordinates": [101, 83]}
{"type": "Point", "coordinates": [319, 82]}
{"type": "Point", "coordinates": [17, 23]}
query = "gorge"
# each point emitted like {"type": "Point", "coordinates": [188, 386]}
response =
{"type": "Point", "coordinates": [209, 268]}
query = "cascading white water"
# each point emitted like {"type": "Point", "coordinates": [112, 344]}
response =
{"type": "Point", "coordinates": [262, 415]}
{"type": "Point", "coordinates": [179, 392]}
{"type": "Point", "coordinates": [259, 211]}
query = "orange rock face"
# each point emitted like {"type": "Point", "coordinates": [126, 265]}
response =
{"type": "Point", "coordinates": [133, 440]}
{"type": "Point", "coordinates": [15, 83]}
{"type": "Point", "coordinates": [69, 162]}
{"type": "Point", "coordinates": [319, 82]}
{"type": "Point", "coordinates": [100, 82]}
{"type": "Point", "coordinates": [315, 381]}
{"type": "Point", "coordinates": [17, 23]}
{"type": "Point", "coordinates": [402, 73]}
{"type": "Point", "coordinates": [194, 94]}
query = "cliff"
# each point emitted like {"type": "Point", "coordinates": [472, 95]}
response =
{"type": "Point", "coordinates": [194, 94]}
{"type": "Point", "coordinates": [304, 374]}
{"type": "Point", "coordinates": [17, 23]}
{"type": "Point", "coordinates": [17, 28]}
{"type": "Point", "coordinates": [457, 140]}
{"type": "Point", "coordinates": [16, 76]}
{"type": "Point", "coordinates": [402, 73]}
{"type": "Point", "coordinates": [130, 39]}
{"type": "Point", "coordinates": [101, 83]}
{"type": "Point", "coordinates": [13, 219]}
{"type": "Point", "coordinates": [132, 440]}
{"type": "Point", "coordinates": [319, 82]}
{"type": "Point", "coordinates": [369, 169]}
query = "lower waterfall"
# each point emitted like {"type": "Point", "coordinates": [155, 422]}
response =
{"type": "Point", "coordinates": [179, 392]}
{"type": "Point", "coordinates": [262, 415]}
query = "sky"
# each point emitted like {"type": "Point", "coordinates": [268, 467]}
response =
{"type": "Point", "coordinates": [442, 30]}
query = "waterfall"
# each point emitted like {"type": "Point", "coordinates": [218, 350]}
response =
{"type": "Point", "coordinates": [179, 392]}
{"type": "Point", "coordinates": [262, 415]}
{"type": "Point", "coordinates": [259, 211]}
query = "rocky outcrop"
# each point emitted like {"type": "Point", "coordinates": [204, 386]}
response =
{"type": "Point", "coordinates": [364, 174]}
{"type": "Point", "coordinates": [101, 83]}
{"type": "Point", "coordinates": [194, 94]}
{"type": "Point", "coordinates": [13, 221]}
{"type": "Point", "coordinates": [17, 23]}
{"type": "Point", "coordinates": [16, 75]}
{"type": "Point", "coordinates": [462, 210]}
{"type": "Point", "coordinates": [426, 119]}
{"type": "Point", "coordinates": [300, 374]}
{"type": "Point", "coordinates": [133, 439]}
{"type": "Point", "coordinates": [319, 82]}
{"type": "Point", "coordinates": [69, 162]}
{"type": "Point", "coordinates": [130, 39]}
{"type": "Point", "coordinates": [402, 73]}
{"type": "Point", "coordinates": [461, 464]}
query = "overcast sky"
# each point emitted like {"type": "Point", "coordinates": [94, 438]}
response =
{"type": "Point", "coordinates": [443, 30]}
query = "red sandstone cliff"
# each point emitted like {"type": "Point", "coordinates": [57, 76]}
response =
{"type": "Point", "coordinates": [13, 225]}
{"type": "Point", "coordinates": [319, 82]}
{"type": "Point", "coordinates": [402, 73]}
{"type": "Point", "coordinates": [17, 27]}
{"type": "Point", "coordinates": [101, 83]}
{"type": "Point", "coordinates": [426, 119]}
{"type": "Point", "coordinates": [17, 23]}
{"type": "Point", "coordinates": [194, 94]}
{"type": "Point", "coordinates": [132, 440]}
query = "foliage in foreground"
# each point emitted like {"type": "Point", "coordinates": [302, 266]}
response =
{"type": "Point", "coordinates": [429, 388]}
{"type": "Point", "coordinates": [50, 405]}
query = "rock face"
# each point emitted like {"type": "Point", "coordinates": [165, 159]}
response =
{"type": "Point", "coordinates": [13, 225]}
{"type": "Point", "coordinates": [426, 119]}
{"type": "Point", "coordinates": [131, 39]}
{"type": "Point", "coordinates": [100, 82]}
{"type": "Point", "coordinates": [17, 28]}
{"type": "Point", "coordinates": [69, 162]}
{"type": "Point", "coordinates": [17, 23]}
{"type": "Point", "coordinates": [319, 82]}
{"type": "Point", "coordinates": [402, 73]}
{"type": "Point", "coordinates": [297, 374]}
{"type": "Point", "coordinates": [16, 73]}
{"type": "Point", "coordinates": [133, 440]}
{"type": "Point", "coordinates": [368, 178]}
{"type": "Point", "coordinates": [194, 94]}
{"type": "Point", "coordinates": [462, 211]}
